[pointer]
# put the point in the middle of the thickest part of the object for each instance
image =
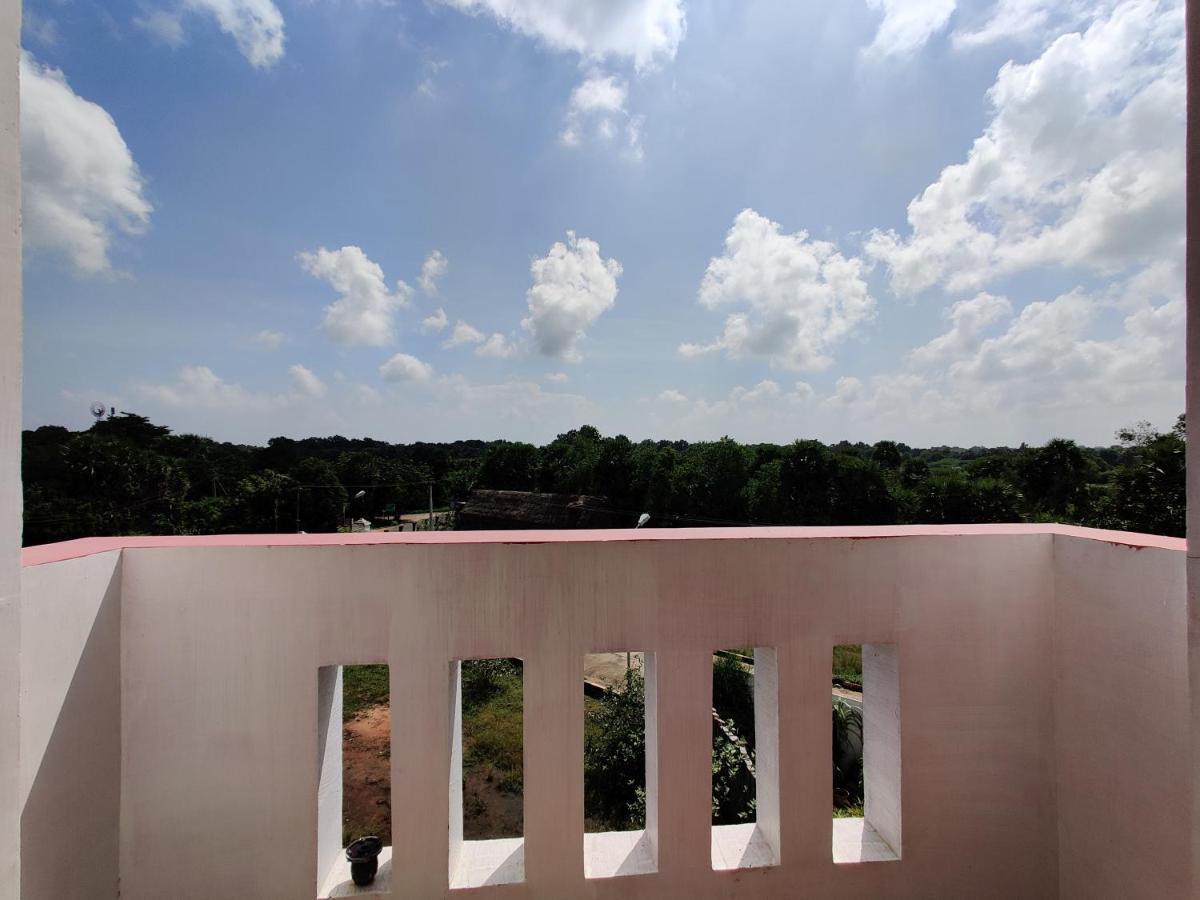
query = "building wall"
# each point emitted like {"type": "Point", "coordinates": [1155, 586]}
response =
{"type": "Point", "coordinates": [10, 449]}
{"type": "Point", "coordinates": [1122, 720]}
{"type": "Point", "coordinates": [221, 650]}
{"type": "Point", "coordinates": [71, 729]}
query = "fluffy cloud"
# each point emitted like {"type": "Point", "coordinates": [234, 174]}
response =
{"type": "Point", "coordinates": [435, 323]}
{"type": "Point", "coordinates": [908, 24]}
{"type": "Point", "coordinates": [365, 310]}
{"type": "Point", "coordinates": [1081, 165]}
{"type": "Point", "coordinates": [757, 405]}
{"type": "Point", "coordinates": [498, 347]}
{"type": "Point", "coordinates": [557, 377]}
{"type": "Point", "coordinates": [1028, 20]}
{"type": "Point", "coordinates": [270, 339]}
{"type": "Point", "coordinates": [572, 287]}
{"type": "Point", "coordinates": [1052, 360]}
{"type": "Point", "coordinates": [597, 107]}
{"type": "Point", "coordinates": [81, 184]}
{"type": "Point", "coordinates": [644, 31]}
{"type": "Point", "coordinates": [255, 25]}
{"type": "Point", "coordinates": [432, 269]}
{"type": "Point", "coordinates": [797, 299]}
{"type": "Point", "coordinates": [968, 319]}
{"type": "Point", "coordinates": [405, 368]}
{"type": "Point", "coordinates": [164, 25]}
{"type": "Point", "coordinates": [199, 387]}
{"type": "Point", "coordinates": [462, 335]}
{"type": "Point", "coordinates": [305, 383]}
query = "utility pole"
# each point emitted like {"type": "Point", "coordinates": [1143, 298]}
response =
{"type": "Point", "coordinates": [431, 506]}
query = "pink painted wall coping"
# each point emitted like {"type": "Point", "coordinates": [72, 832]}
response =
{"type": "Point", "coordinates": [50, 553]}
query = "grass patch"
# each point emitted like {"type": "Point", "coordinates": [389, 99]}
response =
{"type": "Point", "coordinates": [847, 663]}
{"type": "Point", "coordinates": [362, 688]}
{"type": "Point", "coordinates": [493, 734]}
{"type": "Point", "coordinates": [849, 812]}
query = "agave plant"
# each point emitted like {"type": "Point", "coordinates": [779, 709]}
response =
{"type": "Point", "coordinates": [847, 760]}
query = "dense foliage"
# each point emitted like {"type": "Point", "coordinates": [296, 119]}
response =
{"type": "Point", "coordinates": [126, 475]}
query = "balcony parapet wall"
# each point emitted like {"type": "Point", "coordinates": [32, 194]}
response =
{"type": "Point", "coordinates": [1038, 665]}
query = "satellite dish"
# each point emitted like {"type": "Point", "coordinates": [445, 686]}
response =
{"type": "Point", "coordinates": [98, 409]}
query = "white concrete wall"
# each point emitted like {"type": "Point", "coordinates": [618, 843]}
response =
{"type": "Point", "coordinates": [1193, 413]}
{"type": "Point", "coordinates": [1042, 684]}
{"type": "Point", "coordinates": [71, 729]}
{"type": "Point", "coordinates": [1121, 702]}
{"type": "Point", "coordinates": [329, 765]}
{"type": "Point", "coordinates": [220, 651]}
{"type": "Point", "coordinates": [10, 449]}
{"type": "Point", "coordinates": [882, 752]}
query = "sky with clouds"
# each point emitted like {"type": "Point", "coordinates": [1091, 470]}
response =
{"type": "Point", "coordinates": [937, 221]}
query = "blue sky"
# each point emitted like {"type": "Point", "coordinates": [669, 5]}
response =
{"type": "Point", "coordinates": [939, 221]}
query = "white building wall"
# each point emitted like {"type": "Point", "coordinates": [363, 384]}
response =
{"type": "Point", "coordinates": [10, 448]}
{"type": "Point", "coordinates": [71, 729]}
{"type": "Point", "coordinates": [221, 648]}
{"type": "Point", "coordinates": [1040, 678]}
{"type": "Point", "coordinates": [1121, 713]}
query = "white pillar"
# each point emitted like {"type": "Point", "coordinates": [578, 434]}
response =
{"type": "Point", "coordinates": [329, 779]}
{"type": "Point", "coordinates": [1193, 411]}
{"type": "Point", "coordinates": [10, 449]}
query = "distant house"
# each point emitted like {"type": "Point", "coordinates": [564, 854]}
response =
{"type": "Point", "coordinates": [512, 510]}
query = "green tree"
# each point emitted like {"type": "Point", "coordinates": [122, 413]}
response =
{"type": "Point", "coordinates": [709, 480]}
{"type": "Point", "coordinates": [320, 497]}
{"type": "Point", "coordinates": [887, 455]}
{"type": "Point", "coordinates": [266, 503]}
{"type": "Point", "coordinates": [1054, 480]}
{"type": "Point", "coordinates": [568, 463]}
{"type": "Point", "coordinates": [509, 466]}
{"type": "Point", "coordinates": [1151, 483]}
{"type": "Point", "coordinates": [614, 756]}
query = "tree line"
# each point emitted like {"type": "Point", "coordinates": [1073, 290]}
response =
{"type": "Point", "coordinates": [128, 475]}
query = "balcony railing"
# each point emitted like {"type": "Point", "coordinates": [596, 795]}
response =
{"type": "Point", "coordinates": [1026, 710]}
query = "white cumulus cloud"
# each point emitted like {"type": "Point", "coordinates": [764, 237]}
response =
{"type": "Point", "coordinates": [436, 322]}
{"type": "Point", "coordinates": [598, 107]}
{"type": "Point", "coordinates": [406, 368]}
{"type": "Point", "coordinates": [645, 31]}
{"type": "Point", "coordinates": [908, 24]}
{"type": "Point", "coordinates": [1055, 362]}
{"type": "Point", "coordinates": [364, 312]}
{"type": "Point", "coordinates": [199, 387]}
{"type": "Point", "coordinates": [305, 383]}
{"type": "Point", "coordinates": [81, 184]}
{"type": "Point", "coordinates": [572, 287]}
{"type": "Point", "coordinates": [795, 299]}
{"type": "Point", "coordinates": [270, 339]}
{"type": "Point", "coordinates": [462, 335]}
{"type": "Point", "coordinates": [164, 25]}
{"type": "Point", "coordinates": [1081, 165]}
{"type": "Point", "coordinates": [256, 26]}
{"type": "Point", "coordinates": [432, 269]}
{"type": "Point", "coordinates": [968, 319]}
{"type": "Point", "coordinates": [498, 347]}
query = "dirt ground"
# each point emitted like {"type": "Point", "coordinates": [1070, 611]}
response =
{"type": "Point", "coordinates": [367, 778]}
{"type": "Point", "coordinates": [488, 812]}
